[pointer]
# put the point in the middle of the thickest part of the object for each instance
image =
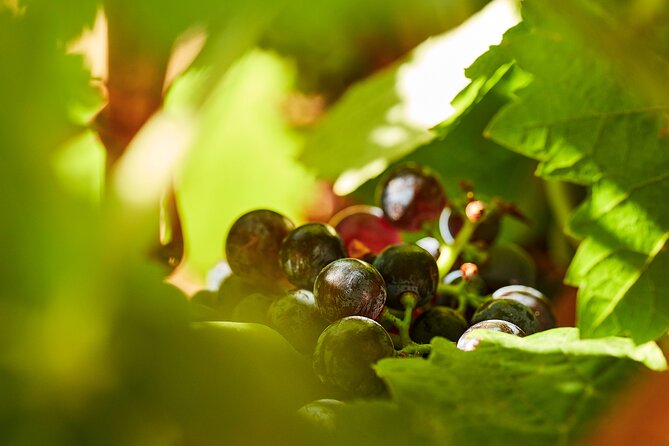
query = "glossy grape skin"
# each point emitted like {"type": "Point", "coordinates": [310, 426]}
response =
{"type": "Point", "coordinates": [411, 195]}
{"type": "Point", "coordinates": [451, 222]}
{"type": "Point", "coordinates": [306, 250]}
{"type": "Point", "coordinates": [348, 287]}
{"type": "Point", "coordinates": [431, 245]}
{"type": "Point", "coordinates": [296, 317]}
{"type": "Point", "coordinates": [346, 351]}
{"type": "Point", "coordinates": [533, 299]}
{"type": "Point", "coordinates": [507, 264]}
{"type": "Point", "coordinates": [321, 412]}
{"type": "Point", "coordinates": [469, 342]}
{"type": "Point", "coordinates": [253, 243]}
{"type": "Point", "coordinates": [408, 267]}
{"type": "Point", "coordinates": [510, 311]}
{"type": "Point", "coordinates": [438, 321]}
{"type": "Point", "coordinates": [364, 226]}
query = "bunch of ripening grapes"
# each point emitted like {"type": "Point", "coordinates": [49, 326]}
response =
{"type": "Point", "coordinates": [351, 293]}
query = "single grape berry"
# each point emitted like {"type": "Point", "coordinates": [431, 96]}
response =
{"type": "Point", "coordinates": [533, 299]}
{"type": "Point", "coordinates": [252, 308]}
{"type": "Point", "coordinates": [321, 413]}
{"type": "Point", "coordinates": [438, 321]}
{"type": "Point", "coordinates": [510, 311]}
{"type": "Point", "coordinates": [364, 230]}
{"type": "Point", "coordinates": [348, 287]}
{"type": "Point", "coordinates": [450, 223]}
{"type": "Point", "coordinates": [468, 341]}
{"type": "Point", "coordinates": [306, 250]}
{"type": "Point", "coordinates": [346, 351]}
{"type": "Point", "coordinates": [253, 243]}
{"type": "Point", "coordinates": [408, 267]}
{"type": "Point", "coordinates": [507, 264]}
{"type": "Point", "coordinates": [297, 319]}
{"type": "Point", "coordinates": [410, 196]}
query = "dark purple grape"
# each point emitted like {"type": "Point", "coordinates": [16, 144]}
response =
{"type": "Point", "coordinates": [469, 341]}
{"type": "Point", "coordinates": [411, 195]}
{"type": "Point", "coordinates": [306, 250]}
{"type": "Point", "coordinates": [253, 243]}
{"type": "Point", "coordinates": [364, 228]}
{"type": "Point", "coordinates": [451, 222]}
{"type": "Point", "coordinates": [296, 317]}
{"type": "Point", "coordinates": [533, 299]}
{"type": "Point", "coordinates": [507, 264]}
{"type": "Point", "coordinates": [438, 321]}
{"type": "Point", "coordinates": [410, 268]}
{"type": "Point", "coordinates": [510, 311]}
{"type": "Point", "coordinates": [348, 287]}
{"type": "Point", "coordinates": [346, 351]}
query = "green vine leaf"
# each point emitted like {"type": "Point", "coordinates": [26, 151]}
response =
{"type": "Point", "coordinates": [542, 389]}
{"type": "Point", "coordinates": [587, 124]}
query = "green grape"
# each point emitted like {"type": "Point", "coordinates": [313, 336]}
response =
{"type": "Point", "coordinates": [321, 412]}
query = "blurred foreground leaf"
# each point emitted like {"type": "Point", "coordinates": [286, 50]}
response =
{"type": "Point", "coordinates": [242, 157]}
{"type": "Point", "coordinates": [543, 389]}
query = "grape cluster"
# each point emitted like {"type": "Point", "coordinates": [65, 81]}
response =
{"type": "Point", "coordinates": [355, 291]}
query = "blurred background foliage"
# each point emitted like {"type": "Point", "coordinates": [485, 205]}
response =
{"type": "Point", "coordinates": [233, 105]}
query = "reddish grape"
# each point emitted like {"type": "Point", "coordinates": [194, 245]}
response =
{"type": "Point", "coordinates": [364, 230]}
{"type": "Point", "coordinates": [411, 195]}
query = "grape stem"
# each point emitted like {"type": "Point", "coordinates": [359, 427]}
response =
{"type": "Point", "coordinates": [415, 349]}
{"type": "Point", "coordinates": [409, 300]}
{"type": "Point", "coordinates": [449, 253]}
{"type": "Point", "coordinates": [465, 297]}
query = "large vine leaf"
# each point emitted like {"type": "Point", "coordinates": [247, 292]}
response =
{"type": "Point", "coordinates": [586, 124]}
{"type": "Point", "coordinates": [543, 389]}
